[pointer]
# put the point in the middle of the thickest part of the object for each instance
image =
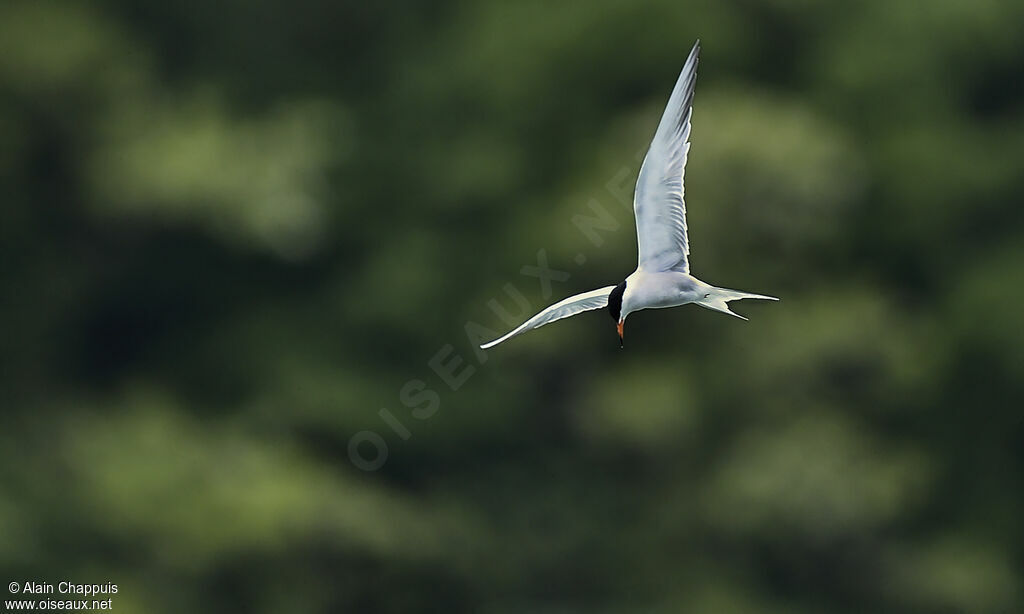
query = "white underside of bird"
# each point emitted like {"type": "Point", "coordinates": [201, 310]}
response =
{"type": "Point", "coordinates": [662, 276]}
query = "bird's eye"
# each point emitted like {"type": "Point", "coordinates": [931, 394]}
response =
{"type": "Point", "coordinates": [706, 295]}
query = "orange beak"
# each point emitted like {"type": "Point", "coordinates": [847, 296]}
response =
{"type": "Point", "coordinates": [619, 328]}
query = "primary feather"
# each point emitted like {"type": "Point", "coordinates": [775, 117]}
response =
{"type": "Point", "coordinates": [658, 202]}
{"type": "Point", "coordinates": [595, 299]}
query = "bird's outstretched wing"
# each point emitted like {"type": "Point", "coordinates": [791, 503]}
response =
{"type": "Point", "coordinates": [658, 201]}
{"type": "Point", "coordinates": [595, 299]}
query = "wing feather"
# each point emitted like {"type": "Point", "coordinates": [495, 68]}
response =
{"type": "Point", "coordinates": [658, 202]}
{"type": "Point", "coordinates": [595, 299]}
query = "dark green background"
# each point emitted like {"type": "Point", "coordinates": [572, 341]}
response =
{"type": "Point", "coordinates": [232, 232]}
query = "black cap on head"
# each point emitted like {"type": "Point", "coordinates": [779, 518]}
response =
{"type": "Point", "coordinates": [615, 301]}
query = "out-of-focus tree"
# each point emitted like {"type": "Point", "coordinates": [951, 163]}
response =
{"type": "Point", "coordinates": [233, 232]}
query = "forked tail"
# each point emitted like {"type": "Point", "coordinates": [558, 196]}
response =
{"type": "Point", "coordinates": [718, 300]}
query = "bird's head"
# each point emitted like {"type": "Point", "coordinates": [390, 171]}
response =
{"type": "Point", "coordinates": [616, 311]}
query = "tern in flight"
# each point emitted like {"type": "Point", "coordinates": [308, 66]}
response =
{"type": "Point", "coordinates": [662, 276]}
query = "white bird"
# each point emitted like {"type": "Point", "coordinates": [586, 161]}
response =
{"type": "Point", "coordinates": [662, 276]}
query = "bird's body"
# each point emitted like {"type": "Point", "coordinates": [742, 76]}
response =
{"type": "Point", "coordinates": [662, 277]}
{"type": "Point", "coordinates": [659, 289]}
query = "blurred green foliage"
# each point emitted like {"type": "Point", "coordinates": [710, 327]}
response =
{"type": "Point", "coordinates": [233, 231]}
